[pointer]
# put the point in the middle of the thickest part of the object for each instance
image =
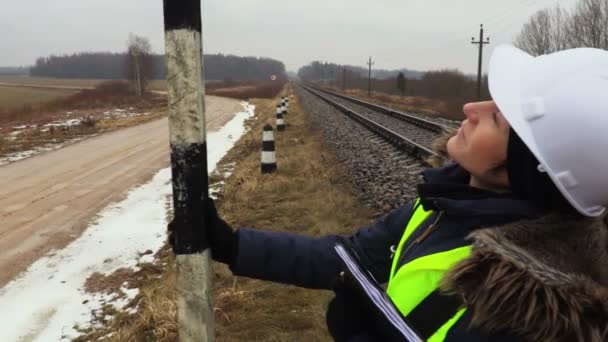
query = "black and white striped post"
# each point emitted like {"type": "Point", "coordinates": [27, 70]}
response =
{"type": "Point", "coordinates": [269, 159]}
{"type": "Point", "coordinates": [280, 123]}
{"type": "Point", "coordinates": [279, 109]}
{"type": "Point", "coordinates": [183, 57]}
{"type": "Point", "coordinates": [285, 105]}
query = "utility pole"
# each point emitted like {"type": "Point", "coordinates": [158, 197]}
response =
{"type": "Point", "coordinates": [481, 43]}
{"type": "Point", "coordinates": [343, 79]}
{"type": "Point", "coordinates": [369, 77]}
{"type": "Point", "coordinates": [188, 237]}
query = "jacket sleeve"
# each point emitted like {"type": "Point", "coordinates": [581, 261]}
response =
{"type": "Point", "coordinates": [311, 261]}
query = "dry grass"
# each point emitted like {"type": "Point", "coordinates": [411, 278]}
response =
{"type": "Point", "coordinates": [15, 97]}
{"type": "Point", "coordinates": [157, 312]}
{"type": "Point", "coordinates": [244, 90]}
{"type": "Point", "coordinates": [32, 139]}
{"type": "Point", "coordinates": [305, 196]}
{"type": "Point", "coordinates": [414, 104]}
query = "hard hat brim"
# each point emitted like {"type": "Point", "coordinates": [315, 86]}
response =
{"type": "Point", "coordinates": [505, 80]}
{"type": "Point", "coordinates": [509, 70]}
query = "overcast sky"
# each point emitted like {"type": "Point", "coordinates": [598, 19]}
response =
{"type": "Point", "coordinates": [415, 34]}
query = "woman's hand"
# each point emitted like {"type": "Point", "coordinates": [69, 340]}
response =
{"type": "Point", "coordinates": [220, 235]}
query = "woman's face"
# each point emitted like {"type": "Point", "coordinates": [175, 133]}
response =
{"type": "Point", "coordinates": [480, 146]}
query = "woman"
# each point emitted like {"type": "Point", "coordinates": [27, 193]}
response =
{"type": "Point", "coordinates": [505, 243]}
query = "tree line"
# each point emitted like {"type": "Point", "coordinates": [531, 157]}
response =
{"type": "Point", "coordinates": [105, 65]}
{"type": "Point", "coordinates": [318, 70]}
{"type": "Point", "coordinates": [14, 71]}
{"type": "Point", "coordinates": [449, 85]}
{"type": "Point", "coordinates": [554, 29]}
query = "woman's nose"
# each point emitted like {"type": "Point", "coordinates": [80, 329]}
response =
{"type": "Point", "coordinates": [471, 112]}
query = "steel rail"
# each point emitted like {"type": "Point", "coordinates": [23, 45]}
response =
{"type": "Point", "coordinates": [420, 122]}
{"type": "Point", "coordinates": [401, 142]}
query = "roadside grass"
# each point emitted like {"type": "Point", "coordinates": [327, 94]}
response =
{"type": "Point", "coordinates": [37, 138]}
{"type": "Point", "coordinates": [105, 95]}
{"type": "Point", "coordinates": [307, 195]}
{"type": "Point", "coordinates": [15, 97]}
{"type": "Point", "coordinates": [45, 137]}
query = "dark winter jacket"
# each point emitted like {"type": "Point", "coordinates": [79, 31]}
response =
{"type": "Point", "coordinates": [516, 283]}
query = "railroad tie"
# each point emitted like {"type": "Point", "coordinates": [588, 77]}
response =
{"type": "Point", "coordinates": [269, 160]}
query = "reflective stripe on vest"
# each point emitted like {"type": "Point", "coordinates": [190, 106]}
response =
{"type": "Point", "coordinates": [410, 284]}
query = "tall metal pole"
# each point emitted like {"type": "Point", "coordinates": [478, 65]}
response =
{"type": "Point", "coordinates": [185, 87]}
{"type": "Point", "coordinates": [481, 43]}
{"type": "Point", "coordinates": [369, 77]}
{"type": "Point", "coordinates": [344, 79]}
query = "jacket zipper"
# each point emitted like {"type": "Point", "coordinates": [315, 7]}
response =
{"type": "Point", "coordinates": [422, 236]}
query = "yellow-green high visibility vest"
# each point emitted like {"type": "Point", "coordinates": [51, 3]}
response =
{"type": "Point", "coordinates": [409, 285]}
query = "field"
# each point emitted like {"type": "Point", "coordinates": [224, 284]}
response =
{"type": "Point", "coordinates": [14, 97]}
{"type": "Point", "coordinates": [34, 120]}
{"type": "Point", "coordinates": [36, 90]}
{"type": "Point", "coordinates": [50, 81]}
{"type": "Point", "coordinates": [67, 82]}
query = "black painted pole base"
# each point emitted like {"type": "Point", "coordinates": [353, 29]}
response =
{"type": "Point", "coordinates": [269, 168]}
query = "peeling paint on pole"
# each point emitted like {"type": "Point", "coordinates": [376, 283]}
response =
{"type": "Point", "coordinates": [185, 89]}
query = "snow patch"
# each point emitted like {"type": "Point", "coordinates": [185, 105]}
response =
{"type": "Point", "coordinates": [66, 123]}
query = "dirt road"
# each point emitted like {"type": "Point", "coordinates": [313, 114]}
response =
{"type": "Point", "coordinates": [48, 200]}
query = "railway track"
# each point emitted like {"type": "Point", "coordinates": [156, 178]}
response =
{"type": "Point", "coordinates": [413, 119]}
{"type": "Point", "coordinates": [410, 134]}
{"type": "Point", "coordinates": [381, 164]}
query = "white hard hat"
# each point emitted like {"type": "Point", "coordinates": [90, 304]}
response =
{"type": "Point", "coordinates": [558, 105]}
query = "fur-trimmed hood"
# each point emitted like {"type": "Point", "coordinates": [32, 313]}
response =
{"type": "Point", "coordinates": [545, 279]}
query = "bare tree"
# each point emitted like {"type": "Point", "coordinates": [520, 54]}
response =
{"type": "Point", "coordinates": [588, 26]}
{"type": "Point", "coordinates": [550, 30]}
{"type": "Point", "coordinates": [401, 83]}
{"type": "Point", "coordinates": [558, 33]}
{"type": "Point", "coordinates": [535, 36]}
{"type": "Point", "coordinates": [138, 62]}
